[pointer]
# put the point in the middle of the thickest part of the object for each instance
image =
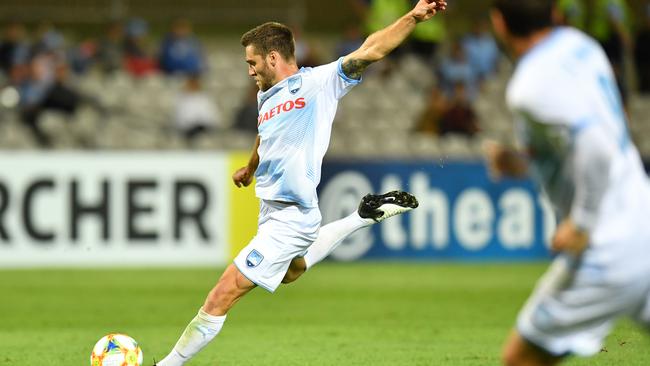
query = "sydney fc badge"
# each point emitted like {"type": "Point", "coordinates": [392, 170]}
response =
{"type": "Point", "coordinates": [295, 84]}
{"type": "Point", "coordinates": [254, 258]}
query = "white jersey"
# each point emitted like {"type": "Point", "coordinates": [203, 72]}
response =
{"type": "Point", "coordinates": [294, 124]}
{"type": "Point", "coordinates": [570, 120]}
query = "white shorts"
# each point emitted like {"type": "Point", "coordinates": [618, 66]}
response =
{"type": "Point", "coordinates": [285, 231]}
{"type": "Point", "coordinates": [572, 314]}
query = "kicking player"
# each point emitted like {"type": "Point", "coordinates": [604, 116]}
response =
{"type": "Point", "coordinates": [296, 110]}
{"type": "Point", "coordinates": [572, 130]}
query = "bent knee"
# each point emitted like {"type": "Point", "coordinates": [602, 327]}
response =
{"type": "Point", "coordinates": [292, 275]}
{"type": "Point", "coordinates": [513, 353]}
{"type": "Point", "coordinates": [295, 270]}
{"type": "Point", "coordinates": [288, 278]}
{"type": "Point", "coordinates": [518, 352]}
{"type": "Point", "coordinates": [510, 357]}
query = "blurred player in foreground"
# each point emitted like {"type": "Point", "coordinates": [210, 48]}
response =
{"type": "Point", "coordinates": [572, 131]}
{"type": "Point", "coordinates": [296, 110]}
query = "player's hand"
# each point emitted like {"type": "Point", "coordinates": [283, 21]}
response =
{"type": "Point", "coordinates": [243, 177]}
{"type": "Point", "coordinates": [492, 150]}
{"type": "Point", "coordinates": [503, 161]}
{"type": "Point", "coordinates": [426, 9]}
{"type": "Point", "coordinates": [569, 238]}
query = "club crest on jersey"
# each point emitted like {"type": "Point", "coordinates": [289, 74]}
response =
{"type": "Point", "coordinates": [254, 258]}
{"type": "Point", "coordinates": [295, 84]}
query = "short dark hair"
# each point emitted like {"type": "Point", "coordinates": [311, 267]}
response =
{"type": "Point", "coordinates": [269, 37]}
{"type": "Point", "coordinates": [523, 17]}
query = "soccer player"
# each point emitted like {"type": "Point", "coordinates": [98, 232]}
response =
{"type": "Point", "coordinates": [296, 110]}
{"type": "Point", "coordinates": [572, 136]}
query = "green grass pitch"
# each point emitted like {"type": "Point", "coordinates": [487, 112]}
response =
{"type": "Point", "coordinates": [337, 314]}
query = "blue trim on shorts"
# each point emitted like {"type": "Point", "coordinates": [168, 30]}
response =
{"type": "Point", "coordinates": [255, 282]}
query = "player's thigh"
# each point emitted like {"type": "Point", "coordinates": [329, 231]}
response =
{"type": "Point", "coordinates": [517, 351]}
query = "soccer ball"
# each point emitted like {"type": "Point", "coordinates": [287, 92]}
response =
{"type": "Point", "coordinates": [116, 350]}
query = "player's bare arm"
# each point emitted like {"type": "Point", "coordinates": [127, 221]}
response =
{"type": "Point", "coordinates": [244, 176]}
{"type": "Point", "coordinates": [381, 43]}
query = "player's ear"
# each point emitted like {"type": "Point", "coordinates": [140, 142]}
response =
{"type": "Point", "coordinates": [272, 58]}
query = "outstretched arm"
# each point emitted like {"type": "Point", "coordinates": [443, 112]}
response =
{"type": "Point", "coordinates": [382, 42]}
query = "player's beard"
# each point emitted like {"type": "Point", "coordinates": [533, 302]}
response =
{"type": "Point", "coordinates": [264, 78]}
{"type": "Point", "coordinates": [264, 85]}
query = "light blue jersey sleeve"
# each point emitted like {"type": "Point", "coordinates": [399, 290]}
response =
{"type": "Point", "coordinates": [333, 80]}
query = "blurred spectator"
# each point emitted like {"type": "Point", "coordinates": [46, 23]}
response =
{"type": "Point", "coordinates": [610, 25]}
{"type": "Point", "coordinates": [195, 113]}
{"type": "Point", "coordinates": [642, 53]}
{"type": "Point", "coordinates": [83, 56]}
{"type": "Point", "coordinates": [572, 13]}
{"type": "Point", "coordinates": [427, 36]}
{"type": "Point", "coordinates": [42, 82]}
{"type": "Point", "coordinates": [481, 50]}
{"type": "Point", "coordinates": [246, 117]}
{"type": "Point", "coordinates": [352, 40]}
{"type": "Point", "coordinates": [46, 56]}
{"type": "Point", "coordinates": [429, 120]}
{"type": "Point", "coordinates": [306, 54]}
{"type": "Point", "coordinates": [110, 53]}
{"type": "Point", "coordinates": [138, 61]}
{"type": "Point", "coordinates": [458, 117]}
{"type": "Point", "coordinates": [377, 14]}
{"type": "Point", "coordinates": [38, 94]}
{"type": "Point", "coordinates": [180, 51]}
{"type": "Point", "coordinates": [49, 41]}
{"type": "Point", "coordinates": [454, 69]}
{"type": "Point", "coordinates": [14, 49]}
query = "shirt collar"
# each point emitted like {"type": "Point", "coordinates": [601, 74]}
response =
{"type": "Point", "coordinates": [262, 97]}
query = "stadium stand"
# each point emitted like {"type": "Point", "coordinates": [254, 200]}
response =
{"type": "Point", "coordinates": [139, 110]}
{"type": "Point", "coordinates": [383, 110]}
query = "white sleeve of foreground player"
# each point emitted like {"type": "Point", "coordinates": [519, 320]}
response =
{"type": "Point", "coordinates": [593, 155]}
{"type": "Point", "coordinates": [333, 79]}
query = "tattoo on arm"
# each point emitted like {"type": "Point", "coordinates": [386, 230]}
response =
{"type": "Point", "coordinates": [353, 68]}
